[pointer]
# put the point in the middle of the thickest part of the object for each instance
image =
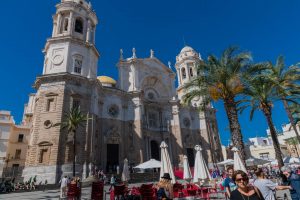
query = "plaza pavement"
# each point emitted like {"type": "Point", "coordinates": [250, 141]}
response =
{"type": "Point", "coordinates": [86, 195]}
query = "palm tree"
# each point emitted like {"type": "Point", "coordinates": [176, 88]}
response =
{"type": "Point", "coordinates": [73, 119]}
{"type": "Point", "coordinates": [286, 83]}
{"type": "Point", "coordinates": [220, 79]}
{"type": "Point", "coordinates": [295, 111]}
{"type": "Point", "coordinates": [260, 93]}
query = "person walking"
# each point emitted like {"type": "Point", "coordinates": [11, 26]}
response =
{"type": "Point", "coordinates": [228, 183]}
{"type": "Point", "coordinates": [244, 191]}
{"type": "Point", "coordinates": [293, 180]}
{"type": "Point", "coordinates": [63, 186]}
{"type": "Point", "coordinates": [266, 186]}
{"type": "Point", "coordinates": [165, 187]}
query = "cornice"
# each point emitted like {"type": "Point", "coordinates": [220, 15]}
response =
{"type": "Point", "coordinates": [70, 39]}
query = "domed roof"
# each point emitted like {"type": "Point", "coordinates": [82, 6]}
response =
{"type": "Point", "coordinates": [107, 80]}
{"type": "Point", "coordinates": [187, 52]}
{"type": "Point", "coordinates": [186, 49]}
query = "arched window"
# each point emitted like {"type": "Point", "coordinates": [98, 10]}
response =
{"type": "Point", "coordinates": [183, 73]}
{"type": "Point", "coordinates": [191, 72]}
{"type": "Point", "coordinates": [66, 24]}
{"type": "Point", "coordinates": [79, 25]}
{"type": "Point", "coordinates": [77, 64]}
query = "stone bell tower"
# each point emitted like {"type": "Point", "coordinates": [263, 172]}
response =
{"type": "Point", "coordinates": [68, 79]}
{"type": "Point", "coordinates": [72, 45]}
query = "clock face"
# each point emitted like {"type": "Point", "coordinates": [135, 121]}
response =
{"type": "Point", "coordinates": [57, 59]}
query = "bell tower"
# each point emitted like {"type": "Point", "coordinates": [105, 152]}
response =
{"type": "Point", "coordinates": [186, 67]}
{"type": "Point", "coordinates": [71, 49]}
{"type": "Point", "coordinates": [68, 80]}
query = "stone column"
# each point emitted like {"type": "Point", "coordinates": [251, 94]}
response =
{"type": "Point", "coordinates": [88, 34]}
{"type": "Point", "coordinates": [176, 130]}
{"type": "Point", "coordinates": [71, 24]}
{"type": "Point", "coordinates": [58, 26]}
{"type": "Point", "coordinates": [178, 77]}
{"type": "Point", "coordinates": [54, 27]}
{"type": "Point", "coordinates": [204, 131]}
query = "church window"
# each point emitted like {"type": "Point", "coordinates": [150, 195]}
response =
{"type": "Point", "coordinates": [113, 110]}
{"type": "Point", "coordinates": [183, 73]}
{"type": "Point", "coordinates": [150, 95]}
{"type": "Point", "coordinates": [50, 105]}
{"type": "Point", "coordinates": [43, 155]}
{"type": "Point", "coordinates": [66, 24]}
{"type": "Point", "coordinates": [47, 124]}
{"type": "Point", "coordinates": [18, 154]}
{"type": "Point", "coordinates": [77, 64]}
{"type": "Point", "coordinates": [191, 72]}
{"type": "Point", "coordinates": [20, 137]}
{"type": "Point", "coordinates": [152, 119]}
{"type": "Point", "coordinates": [76, 103]}
{"type": "Point", "coordinates": [79, 26]}
{"type": "Point", "coordinates": [186, 122]}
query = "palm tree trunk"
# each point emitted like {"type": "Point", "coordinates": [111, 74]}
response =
{"type": "Point", "coordinates": [74, 152]}
{"type": "Point", "coordinates": [235, 128]}
{"type": "Point", "coordinates": [291, 119]}
{"type": "Point", "coordinates": [268, 114]}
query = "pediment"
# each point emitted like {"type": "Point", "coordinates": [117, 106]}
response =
{"type": "Point", "coordinates": [157, 64]}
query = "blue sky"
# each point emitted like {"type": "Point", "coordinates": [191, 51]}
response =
{"type": "Point", "coordinates": [266, 28]}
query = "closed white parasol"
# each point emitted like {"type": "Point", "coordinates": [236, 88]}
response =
{"type": "Point", "coordinates": [201, 171]}
{"type": "Point", "coordinates": [166, 166]}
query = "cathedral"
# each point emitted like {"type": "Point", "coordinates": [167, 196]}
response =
{"type": "Point", "coordinates": [127, 118]}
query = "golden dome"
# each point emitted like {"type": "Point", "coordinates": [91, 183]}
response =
{"type": "Point", "coordinates": [107, 80]}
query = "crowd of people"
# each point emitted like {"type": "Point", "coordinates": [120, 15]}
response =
{"type": "Point", "coordinates": [8, 185]}
{"type": "Point", "coordinates": [259, 185]}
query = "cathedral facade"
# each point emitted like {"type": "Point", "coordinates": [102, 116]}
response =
{"type": "Point", "coordinates": [127, 118]}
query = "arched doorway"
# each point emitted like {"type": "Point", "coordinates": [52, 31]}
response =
{"type": "Point", "coordinates": [154, 150]}
{"type": "Point", "coordinates": [112, 157]}
{"type": "Point", "coordinates": [191, 157]}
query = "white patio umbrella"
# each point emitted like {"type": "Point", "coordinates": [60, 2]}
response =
{"type": "Point", "coordinates": [187, 175]}
{"type": "Point", "coordinates": [150, 164]}
{"type": "Point", "coordinates": [291, 160]}
{"type": "Point", "coordinates": [166, 166]}
{"type": "Point", "coordinates": [255, 161]}
{"type": "Point", "coordinates": [226, 162]}
{"type": "Point", "coordinates": [125, 173]}
{"type": "Point", "coordinates": [238, 164]}
{"type": "Point", "coordinates": [201, 171]}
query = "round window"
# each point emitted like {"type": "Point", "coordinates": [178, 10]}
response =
{"type": "Point", "coordinates": [186, 122]}
{"type": "Point", "coordinates": [150, 95]}
{"type": "Point", "coordinates": [47, 124]}
{"type": "Point", "coordinates": [113, 110]}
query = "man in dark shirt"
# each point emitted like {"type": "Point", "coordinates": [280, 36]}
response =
{"type": "Point", "coordinates": [294, 181]}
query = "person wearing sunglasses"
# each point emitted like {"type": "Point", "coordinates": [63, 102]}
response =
{"type": "Point", "coordinates": [244, 191]}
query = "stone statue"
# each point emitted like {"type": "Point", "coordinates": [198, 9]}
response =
{"type": "Point", "coordinates": [121, 54]}
{"type": "Point", "coordinates": [151, 53]}
{"type": "Point", "coordinates": [133, 53]}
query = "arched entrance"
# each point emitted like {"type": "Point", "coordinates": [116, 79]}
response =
{"type": "Point", "coordinates": [191, 157]}
{"type": "Point", "coordinates": [154, 150]}
{"type": "Point", "coordinates": [112, 157]}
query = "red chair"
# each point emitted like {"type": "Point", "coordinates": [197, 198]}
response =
{"type": "Point", "coordinates": [178, 190]}
{"type": "Point", "coordinates": [147, 192]}
{"type": "Point", "coordinates": [97, 191]}
{"type": "Point", "coordinates": [119, 190]}
{"type": "Point", "coordinates": [73, 192]}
